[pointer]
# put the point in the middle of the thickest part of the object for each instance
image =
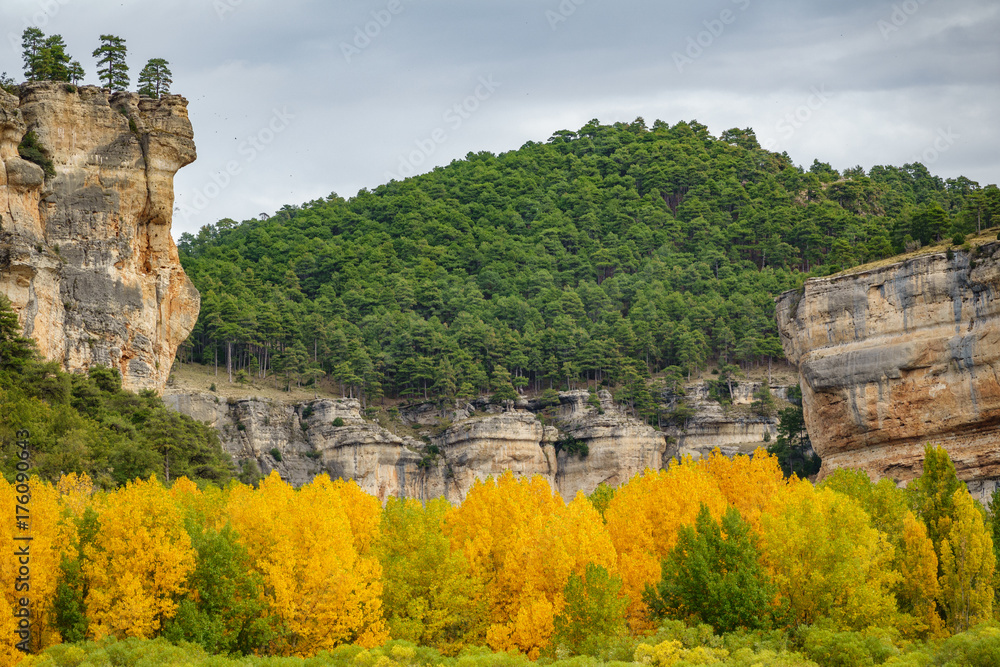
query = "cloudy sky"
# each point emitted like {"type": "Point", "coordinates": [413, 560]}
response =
{"type": "Point", "coordinates": [297, 99]}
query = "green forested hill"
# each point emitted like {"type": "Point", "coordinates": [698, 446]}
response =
{"type": "Point", "coordinates": [603, 255]}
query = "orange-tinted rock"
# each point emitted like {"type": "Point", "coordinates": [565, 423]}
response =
{"type": "Point", "coordinates": [86, 255]}
{"type": "Point", "coordinates": [895, 357]}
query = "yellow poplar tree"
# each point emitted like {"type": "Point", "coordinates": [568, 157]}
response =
{"type": "Point", "coordinates": [967, 566]}
{"type": "Point", "coordinates": [827, 560]}
{"type": "Point", "coordinates": [136, 567]}
{"type": "Point", "coordinates": [643, 519]}
{"type": "Point", "coordinates": [301, 543]}
{"type": "Point", "coordinates": [751, 484]}
{"type": "Point", "coordinates": [44, 553]}
{"type": "Point", "coordinates": [918, 589]}
{"type": "Point", "coordinates": [523, 542]}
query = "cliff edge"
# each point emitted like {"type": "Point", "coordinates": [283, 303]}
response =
{"type": "Point", "coordinates": [86, 255]}
{"type": "Point", "coordinates": [897, 356]}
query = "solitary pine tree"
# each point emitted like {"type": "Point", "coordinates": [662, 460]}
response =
{"type": "Point", "coordinates": [154, 79]}
{"type": "Point", "coordinates": [112, 70]}
{"type": "Point", "coordinates": [76, 72]}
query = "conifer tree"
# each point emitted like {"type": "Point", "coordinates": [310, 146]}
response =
{"type": "Point", "coordinates": [32, 50]}
{"type": "Point", "coordinates": [112, 69]}
{"type": "Point", "coordinates": [154, 79]}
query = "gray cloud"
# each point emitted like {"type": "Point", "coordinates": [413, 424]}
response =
{"type": "Point", "coordinates": [364, 85]}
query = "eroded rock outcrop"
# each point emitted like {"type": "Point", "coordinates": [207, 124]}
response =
{"type": "Point", "coordinates": [898, 356]}
{"type": "Point", "coordinates": [471, 442]}
{"type": "Point", "coordinates": [86, 255]}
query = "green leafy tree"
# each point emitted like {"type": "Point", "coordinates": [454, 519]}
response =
{"type": "Point", "coordinates": [76, 72]}
{"type": "Point", "coordinates": [713, 575]}
{"type": "Point", "coordinates": [155, 78]}
{"type": "Point", "coordinates": [594, 610]}
{"type": "Point", "coordinates": [792, 446]}
{"type": "Point", "coordinates": [112, 69]}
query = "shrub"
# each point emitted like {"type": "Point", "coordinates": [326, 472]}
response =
{"type": "Point", "coordinates": [31, 150]}
{"type": "Point", "coordinates": [958, 239]}
{"type": "Point", "coordinates": [338, 422]}
{"type": "Point", "coordinates": [276, 454]}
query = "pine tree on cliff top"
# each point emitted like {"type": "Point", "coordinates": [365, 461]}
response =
{"type": "Point", "coordinates": [112, 70]}
{"type": "Point", "coordinates": [154, 79]}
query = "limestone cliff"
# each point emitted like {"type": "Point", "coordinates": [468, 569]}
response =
{"type": "Point", "coordinates": [86, 255]}
{"type": "Point", "coordinates": [894, 357]}
{"type": "Point", "coordinates": [472, 442]}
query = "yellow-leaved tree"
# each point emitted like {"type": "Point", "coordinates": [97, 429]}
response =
{"type": "Point", "coordinates": [643, 519]}
{"type": "Point", "coordinates": [302, 544]}
{"type": "Point", "coordinates": [29, 568]}
{"type": "Point", "coordinates": [751, 484]}
{"type": "Point", "coordinates": [523, 542]}
{"type": "Point", "coordinates": [827, 560]}
{"type": "Point", "coordinates": [967, 565]}
{"type": "Point", "coordinates": [137, 565]}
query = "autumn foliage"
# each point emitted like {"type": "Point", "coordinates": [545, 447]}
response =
{"type": "Point", "coordinates": [280, 571]}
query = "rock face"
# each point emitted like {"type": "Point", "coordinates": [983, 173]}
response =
{"type": "Point", "coordinates": [477, 440]}
{"type": "Point", "coordinates": [86, 255]}
{"type": "Point", "coordinates": [895, 357]}
{"type": "Point", "coordinates": [733, 431]}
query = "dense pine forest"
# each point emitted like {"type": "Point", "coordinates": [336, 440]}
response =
{"type": "Point", "coordinates": [604, 255]}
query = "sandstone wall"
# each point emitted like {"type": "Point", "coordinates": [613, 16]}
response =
{"type": "Point", "coordinates": [895, 357]}
{"type": "Point", "coordinates": [86, 256]}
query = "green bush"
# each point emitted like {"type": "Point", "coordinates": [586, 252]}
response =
{"type": "Point", "coordinates": [338, 422]}
{"type": "Point", "coordinates": [32, 150]}
{"type": "Point", "coordinates": [276, 454]}
{"type": "Point", "coordinates": [958, 239]}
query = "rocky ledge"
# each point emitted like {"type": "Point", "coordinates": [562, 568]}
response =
{"type": "Point", "coordinates": [86, 255]}
{"type": "Point", "coordinates": [898, 356]}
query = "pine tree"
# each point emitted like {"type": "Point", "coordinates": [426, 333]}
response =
{"type": "Point", "coordinates": [76, 72]}
{"type": "Point", "coordinates": [154, 79]}
{"type": "Point", "coordinates": [57, 61]}
{"type": "Point", "coordinates": [33, 48]}
{"type": "Point", "coordinates": [112, 69]}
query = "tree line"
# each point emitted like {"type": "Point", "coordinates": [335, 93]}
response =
{"type": "Point", "coordinates": [725, 547]}
{"type": "Point", "coordinates": [45, 59]}
{"type": "Point", "coordinates": [604, 256]}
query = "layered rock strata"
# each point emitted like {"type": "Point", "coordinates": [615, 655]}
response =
{"type": "Point", "coordinates": [86, 255]}
{"type": "Point", "coordinates": [470, 443]}
{"type": "Point", "coordinates": [898, 356]}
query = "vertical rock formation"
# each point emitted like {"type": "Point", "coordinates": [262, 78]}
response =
{"type": "Point", "coordinates": [86, 255]}
{"type": "Point", "coordinates": [898, 356]}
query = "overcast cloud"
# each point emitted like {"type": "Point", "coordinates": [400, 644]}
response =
{"type": "Point", "coordinates": [302, 98]}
